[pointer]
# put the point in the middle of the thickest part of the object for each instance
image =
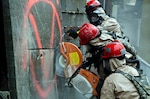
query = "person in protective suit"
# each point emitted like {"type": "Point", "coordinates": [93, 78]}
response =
{"type": "Point", "coordinates": [94, 40]}
{"type": "Point", "coordinates": [117, 86]}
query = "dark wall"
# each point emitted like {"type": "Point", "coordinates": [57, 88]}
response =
{"type": "Point", "coordinates": [3, 63]}
{"type": "Point", "coordinates": [9, 66]}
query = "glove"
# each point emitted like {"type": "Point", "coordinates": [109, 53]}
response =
{"type": "Point", "coordinates": [72, 33]}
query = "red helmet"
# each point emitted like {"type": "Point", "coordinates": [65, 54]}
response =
{"type": "Point", "coordinates": [87, 32]}
{"type": "Point", "coordinates": [114, 49]}
{"type": "Point", "coordinates": [91, 5]}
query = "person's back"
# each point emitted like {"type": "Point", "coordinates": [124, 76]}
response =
{"type": "Point", "coordinates": [117, 86]}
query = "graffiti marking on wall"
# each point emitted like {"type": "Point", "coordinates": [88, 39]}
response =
{"type": "Point", "coordinates": [30, 20]}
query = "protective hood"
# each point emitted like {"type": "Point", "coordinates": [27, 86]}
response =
{"type": "Point", "coordinates": [116, 63]}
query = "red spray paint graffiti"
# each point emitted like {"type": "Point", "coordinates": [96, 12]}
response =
{"type": "Point", "coordinates": [28, 16]}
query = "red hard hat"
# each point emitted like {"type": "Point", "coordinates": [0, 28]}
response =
{"type": "Point", "coordinates": [91, 5]}
{"type": "Point", "coordinates": [87, 32]}
{"type": "Point", "coordinates": [114, 49]}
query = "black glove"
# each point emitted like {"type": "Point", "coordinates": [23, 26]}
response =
{"type": "Point", "coordinates": [73, 33]}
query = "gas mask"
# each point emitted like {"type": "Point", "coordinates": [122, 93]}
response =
{"type": "Point", "coordinates": [95, 19]}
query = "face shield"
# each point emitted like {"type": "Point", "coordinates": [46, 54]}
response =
{"type": "Point", "coordinates": [106, 67]}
